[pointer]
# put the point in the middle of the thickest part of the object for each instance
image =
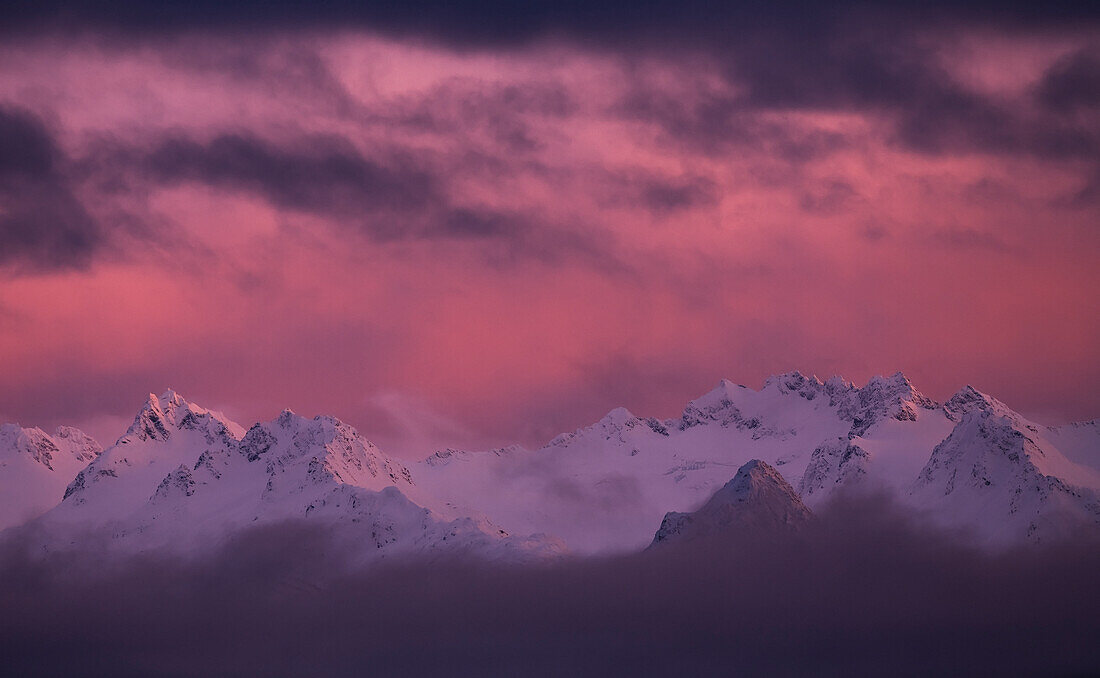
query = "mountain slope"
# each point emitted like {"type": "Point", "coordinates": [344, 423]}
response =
{"type": "Point", "coordinates": [604, 486]}
{"type": "Point", "coordinates": [35, 468]}
{"type": "Point", "coordinates": [998, 476]}
{"type": "Point", "coordinates": [183, 478]}
{"type": "Point", "coordinates": [756, 498]}
{"type": "Point", "coordinates": [181, 475]}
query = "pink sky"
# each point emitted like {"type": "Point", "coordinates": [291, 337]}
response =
{"type": "Point", "coordinates": [479, 247]}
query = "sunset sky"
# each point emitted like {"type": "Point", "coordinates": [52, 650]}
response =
{"type": "Point", "coordinates": [472, 224]}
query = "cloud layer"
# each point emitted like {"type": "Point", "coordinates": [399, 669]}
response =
{"type": "Point", "coordinates": [519, 217]}
{"type": "Point", "coordinates": [862, 593]}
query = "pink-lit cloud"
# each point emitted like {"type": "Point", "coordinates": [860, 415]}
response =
{"type": "Point", "coordinates": [506, 241]}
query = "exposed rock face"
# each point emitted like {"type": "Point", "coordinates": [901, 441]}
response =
{"type": "Point", "coordinates": [184, 472]}
{"type": "Point", "coordinates": [183, 478]}
{"type": "Point", "coordinates": [757, 498]}
{"type": "Point", "coordinates": [834, 464]}
{"type": "Point", "coordinates": [35, 468]}
{"type": "Point", "coordinates": [993, 473]}
{"type": "Point", "coordinates": [296, 450]}
{"type": "Point", "coordinates": [72, 444]}
{"type": "Point", "coordinates": [161, 416]}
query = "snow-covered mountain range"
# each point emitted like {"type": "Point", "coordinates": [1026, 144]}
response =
{"type": "Point", "coordinates": [183, 477]}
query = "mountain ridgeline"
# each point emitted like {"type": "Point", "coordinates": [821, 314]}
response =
{"type": "Point", "coordinates": [183, 478]}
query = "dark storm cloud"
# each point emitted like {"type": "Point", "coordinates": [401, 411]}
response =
{"type": "Point", "coordinates": [458, 105]}
{"type": "Point", "coordinates": [480, 223]}
{"type": "Point", "coordinates": [787, 53]}
{"type": "Point", "coordinates": [43, 225]}
{"type": "Point", "coordinates": [931, 113]}
{"type": "Point", "coordinates": [317, 174]}
{"type": "Point", "coordinates": [1073, 82]}
{"type": "Point", "coordinates": [473, 22]}
{"type": "Point", "coordinates": [394, 195]}
{"type": "Point", "coordinates": [660, 194]}
{"type": "Point", "coordinates": [956, 121]}
{"type": "Point", "coordinates": [778, 56]}
{"type": "Point", "coordinates": [682, 193]}
{"type": "Point", "coordinates": [861, 593]}
{"type": "Point", "coordinates": [716, 123]}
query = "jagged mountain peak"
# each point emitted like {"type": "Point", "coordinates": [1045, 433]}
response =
{"type": "Point", "coordinates": [716, 406]}
{"type": "Point", "coordinates": [325, 446]}
{"type": "Point", "coordinates": [74, 434]}
{"type": "Point", "coordinates": [995, 467]}
{"type": "Point", "coordinates": [161, 415]}
{"type": "Point", "coordinates": [724, 391]}
{"type": "Point", "coordinates": [617, 425]}
{"type": "Point", "coordinates": [618, 416]}
{"type": "Point", "coordinates": [897, 386]}
{"type": "Point", "coordinates": [969, 399]}
{"type": "Point", "coordinates": [35, 467]}
{"type": "Point", "coordinates": [881, 398]}
{"type": "Point", "coordinates": [751, 477]}
{"type": "Point", "coordinates": [793, 382]}
{"type": "Point", "coordinates": [288, 418]}
{"type": "Point", "coordinates": [835, 463]}
{"type": "Point", "coordinates": [41, 447]}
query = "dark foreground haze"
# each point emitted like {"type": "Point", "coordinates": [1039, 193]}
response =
{"type": "Point", "coordinates": [861, 593]}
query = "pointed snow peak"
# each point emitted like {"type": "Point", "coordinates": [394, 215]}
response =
{"type": "Point", "coordinates": [616, 425]}
{"type": "Point", "coordinates": [894, 390]}
{"type": "Point", "coordinates": [32, 442]}
{"type": "Point", "coordinates": [71, 432]}
{"type": "Point", "coordinates": [982, 437]}
{"type": "Point", "coordinates": [726, 387]}
{"type": "Point", "coordinates": [716, 396]}
{"type": "Point", "coordinates": [300, 451]}
{"type": "Point", "coordinates": [172, 399]}
{"type": "Point", "coordinates": [834, 464]}
{"type": "Point", "coordinates": [969, 399]}
{"type": "Point", "coordinates": [149, 424]}
{"type": "Point", "coordinates": [838, 384]}
{"type": "Point", "coordinates": [10, 429]}
{"type": "Point", "coordinates": [896, 386]}
{"type": "Point", "coordinates": [991, 473]}
{"type": "Point", "coordinates": [160, 416]}
{"type": "Point", "coordinates": [796, 382]}
{"type": "Point", "coordinates": [618, 416]}
{"type": "Point", "coordinates": [287, 418]}
{"type": "Point", "coordinates": [754, 474]}
{"type": "Point", "coordinates": [717, 406]}
{"type": "Point", "coordinates": [792, 382]}
{"type": "Point", "coordinates": [897, 383]}
{"type": "Point", "coordinates": [329, 420]}
{"type": "Point", "coordinates": [68, 444]}
{"type": "Point", "coordinates": [756, 498]}
{"type": "Point", "coordinates": [881, 398]}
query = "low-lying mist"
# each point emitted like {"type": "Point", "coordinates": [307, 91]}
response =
{"type": "Point", "coordinates": [861, 592]}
